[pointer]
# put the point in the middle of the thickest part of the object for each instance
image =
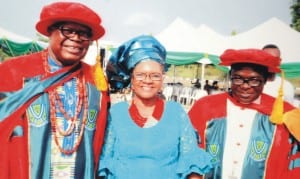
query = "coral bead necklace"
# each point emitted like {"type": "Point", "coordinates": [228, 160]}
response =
{"type": "Point", "coordinates": [139, 119]}
{"type": "Point", "coordinates": [82, 100]}
{"type": "Point", "coordinates": [55, 100]}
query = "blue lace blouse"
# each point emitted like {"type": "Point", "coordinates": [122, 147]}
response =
{"type": "Point", "coordinates": [167, 150]}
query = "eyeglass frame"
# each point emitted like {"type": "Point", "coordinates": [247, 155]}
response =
{"type": "Point", "coordinates": [143, 76]}
{"type": "Point", "coordinates": [74, 32]}
{"type": "Point", "coordinates": [249, 81]}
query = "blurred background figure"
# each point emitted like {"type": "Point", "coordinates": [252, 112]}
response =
{"type": "Point", "coordinates": [274, 81]}
{"type": "Point", "coordinates": [197, 83]}
{"type": "Point", "coordinates": [207, 87]}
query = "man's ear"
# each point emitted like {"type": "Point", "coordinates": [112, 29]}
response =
{"type": "Point", "coordinates": [271, 77]}
{"type": "Point", "coordinates": [231, 71]}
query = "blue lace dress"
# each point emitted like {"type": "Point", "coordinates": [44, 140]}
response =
{"type": "Point", "coordinates": [167, 150]}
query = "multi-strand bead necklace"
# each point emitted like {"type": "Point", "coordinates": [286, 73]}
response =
{"type": "Point", "coordinates": [55, 100]}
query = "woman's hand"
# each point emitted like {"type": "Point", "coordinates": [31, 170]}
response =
{"type": "Point", "coordinates": [194, 176]}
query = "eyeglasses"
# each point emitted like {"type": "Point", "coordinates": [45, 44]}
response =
{"type": "Point", "coordinates": [152, 76]}
{"type": "Point", "coordinates": [253, 82]}
{"type": "Point", "coordinates": [71, 33]}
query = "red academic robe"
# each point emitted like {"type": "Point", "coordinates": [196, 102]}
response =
{"type": "Point", "coordinates": [15, 163]}
{"type": "Point", "coordinates": [213, 107]}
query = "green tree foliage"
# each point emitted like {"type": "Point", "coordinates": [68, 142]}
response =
{"type": "Point", "coordinates": [295, 11]}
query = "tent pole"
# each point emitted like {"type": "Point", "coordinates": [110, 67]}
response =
{"type": "Point", "coordinates": [174, 72]}
{"type": "Point", "coordinates": [202, 73]}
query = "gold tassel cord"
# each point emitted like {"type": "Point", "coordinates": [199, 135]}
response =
{"type": "Point", "coordinates": [98, 74]}
{"type": "Point", "coordinates": [277, 111]}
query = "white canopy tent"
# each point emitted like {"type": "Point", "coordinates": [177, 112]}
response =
{"type": "Point", "coordinates": [179, 36]}
{"type": "Point", "coordinates": [18, 38]}
{"type": "Point", "coordinates": [12, 36]}
{"type": "Point", "coordinates": [272, 31]}
{"type": "Point", "coordinates": [182, 36]}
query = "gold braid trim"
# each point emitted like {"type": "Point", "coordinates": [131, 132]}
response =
{"type": "Point", "coordinates": [98, 74]}
{"type": "Point", "coordinates": [277, 111]}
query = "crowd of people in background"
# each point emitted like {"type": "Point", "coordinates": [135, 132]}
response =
{"type": "Point", "coordinates": [185, 95]}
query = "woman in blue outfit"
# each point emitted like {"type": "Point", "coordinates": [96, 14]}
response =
{"type": "Point", "coordinates": [147, 137]}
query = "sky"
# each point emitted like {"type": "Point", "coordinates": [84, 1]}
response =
{"type": "Point", "coordinates": [124, 19]}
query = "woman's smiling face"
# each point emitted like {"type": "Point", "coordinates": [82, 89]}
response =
{"type": "Point", "coordinates": [147, 79]}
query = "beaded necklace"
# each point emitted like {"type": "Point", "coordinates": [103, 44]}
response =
{"type": "Point", "coordinates": [140, 120]}
{"type": "Point", "coordinates": [54, 100]}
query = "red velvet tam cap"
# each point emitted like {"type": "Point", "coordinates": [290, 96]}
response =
{"type": "Point", "coordinates": [255, 56]}
{"type": "Point", "coordinates": [70, 12]}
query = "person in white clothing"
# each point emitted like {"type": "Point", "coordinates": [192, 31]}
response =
{"type": "Point", "coordinates": [271, 88]}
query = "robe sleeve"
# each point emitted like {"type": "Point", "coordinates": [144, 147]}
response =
{"type": "Point", "coordinates": [192, 159]}
{"type": "Point", "coordinates": [106, 162]}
